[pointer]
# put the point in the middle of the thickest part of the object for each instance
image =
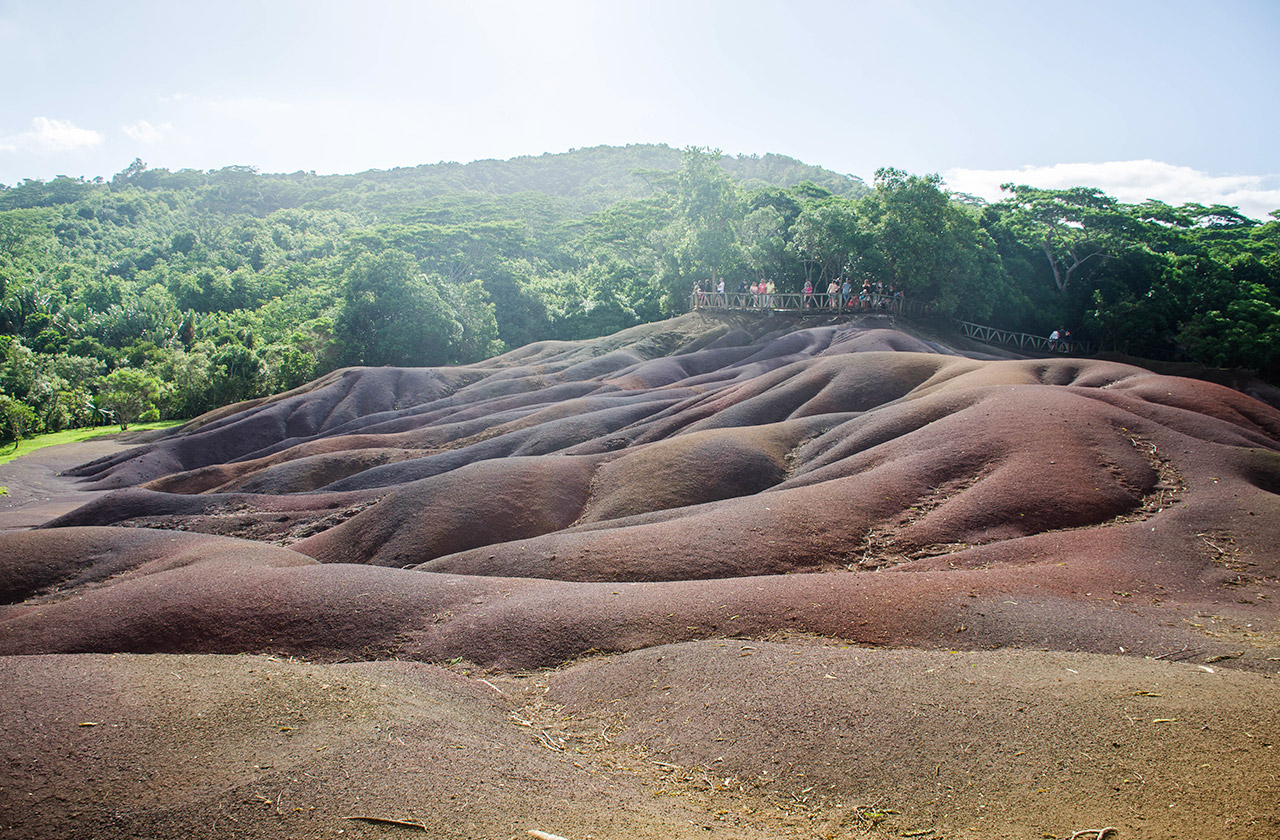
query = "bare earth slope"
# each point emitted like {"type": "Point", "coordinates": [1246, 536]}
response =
{"type": "Point", "coordinates": [728, 577]}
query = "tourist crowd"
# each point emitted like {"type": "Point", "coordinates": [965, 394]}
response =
{"type": "Point", "coordinates": [840, 295]}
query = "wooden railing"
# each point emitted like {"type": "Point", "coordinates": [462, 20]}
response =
{"type": "Point", "coordinates": [818, 304]}
{"type": "Point", "coordinates": [796, 302]}
{"type": "Point", "coordinates": [993, 335]}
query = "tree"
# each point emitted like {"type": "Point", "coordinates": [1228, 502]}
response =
{"type": "Point", "coordinates": [128, 393]}
{"type": "Point", "coordinates": [907, 217]}
{"type": "Point", "coordinates": [469, 307]}
{"type": "Point", "coordinates": [830, 236]}
{"type": "Point", "coordinates": [929, 246]}
{"type": "Point", "coordinates": [519, 312]}
{"type": "Point", "coordinates": [236, 373]}
{"type": "Point", "coordinates": [16, 419]}
{"type": "Point", "coordinates": [393, 315]}
{"type": "Point", "coordinates": [1241, 333]}
{"type": "Point", "coordinates": [708, 213]}
{"type": "Point", "coordinates": [1075, 228]}
{"type": "Point", "coordinates": [187, 373]}
{"type": "Point", "coordinates": [764, 241]}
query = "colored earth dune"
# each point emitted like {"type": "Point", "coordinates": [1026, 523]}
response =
{"type": "Point", "coordinates": [720, 576]}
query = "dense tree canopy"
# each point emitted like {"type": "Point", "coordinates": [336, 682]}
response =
{"type": "Point", "coordinates": [391, 314]}
{"type": "Point", "coordinates": [212, 287]}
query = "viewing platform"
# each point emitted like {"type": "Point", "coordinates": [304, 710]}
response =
{"type": "Point", "coordinates": [798, 303]}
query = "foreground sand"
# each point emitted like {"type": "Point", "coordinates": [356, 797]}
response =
{"type": "Point", "coordinates": [722, 578]}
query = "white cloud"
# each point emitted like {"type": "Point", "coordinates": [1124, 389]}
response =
{"type": "Point", "coordinates": [1131, 181]}
{"type": "Point", "coordinates": [47, 135]}
{"type": "Point", "coordinates": [146, 133]}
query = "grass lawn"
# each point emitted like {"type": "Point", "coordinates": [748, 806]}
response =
{"type": "Point", "coordinates": [9, 451]}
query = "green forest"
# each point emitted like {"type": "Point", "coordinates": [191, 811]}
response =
{"type": "Point", "coordinates": [163, 294]}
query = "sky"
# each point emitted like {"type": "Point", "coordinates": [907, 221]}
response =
{"type": "Point", "coordinates": [1171, 100]}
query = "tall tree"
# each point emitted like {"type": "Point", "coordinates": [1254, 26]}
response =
{"type": "Point", "coordinates": [394, 315]}
{"type": "Point", "coordinates": [709, 211]}
{"type": "Point", "coordinates": [1076, 228]}
{"type": "Point", "coordinates": [830, 237]}
{"type": "Point", "coordinates": [930, 246]}
{"type": "Point", "coordinates": [129, 394]}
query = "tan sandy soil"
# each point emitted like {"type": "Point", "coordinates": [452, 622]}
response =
{"type": "Point", "coordinates": [710, 739]}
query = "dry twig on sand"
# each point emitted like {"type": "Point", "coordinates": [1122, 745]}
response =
{"type": "Point", "coordinates": [1186, 651]}
{"type": "Point", "coordinates": [389, 821]}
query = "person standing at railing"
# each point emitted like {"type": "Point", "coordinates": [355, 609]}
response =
{"type": "Point", "coordinates": [808, 294]}
{"type": "Point", "coordinates": [833, 293]}
{"type": "Point", "coordinates": [770, 290]}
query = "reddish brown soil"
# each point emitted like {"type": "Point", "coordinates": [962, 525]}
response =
{"type": "Point", "coordinates": [712, 577]}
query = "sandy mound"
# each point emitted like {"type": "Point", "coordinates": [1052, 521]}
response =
{"type": "Point", "coordinates": [845, 572]}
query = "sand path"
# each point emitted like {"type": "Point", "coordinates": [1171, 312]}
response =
{"type": "Point", "coordinates": [37, 490]}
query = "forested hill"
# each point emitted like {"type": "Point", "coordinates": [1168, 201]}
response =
{"type": "Point", "coordinates": [159, 293]}
{"type": "Point", "coordinates": [580, 181]}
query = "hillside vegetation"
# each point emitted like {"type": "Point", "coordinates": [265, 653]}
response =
{"type": "Point", "coordinates": [162, 294]}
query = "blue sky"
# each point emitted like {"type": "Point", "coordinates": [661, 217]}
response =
{"type": "Point", "coordinates": [1170, 100]}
